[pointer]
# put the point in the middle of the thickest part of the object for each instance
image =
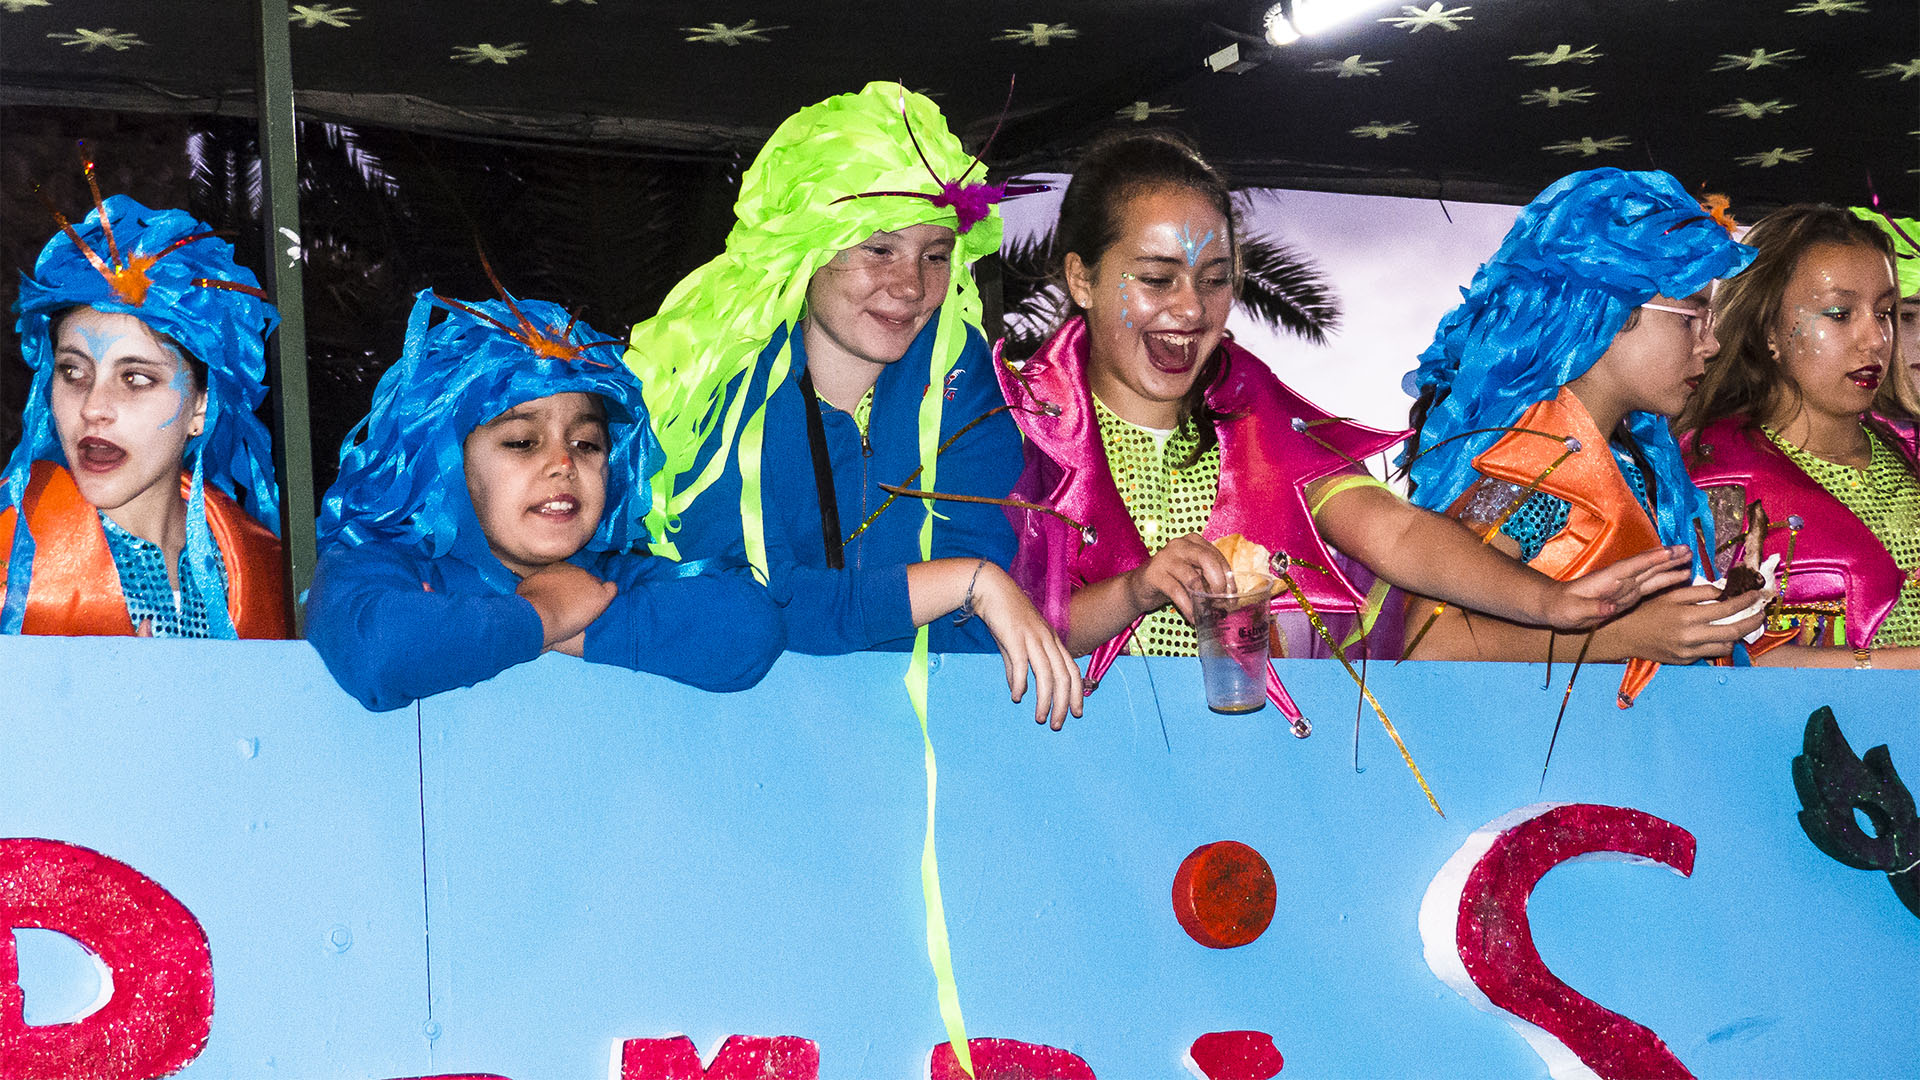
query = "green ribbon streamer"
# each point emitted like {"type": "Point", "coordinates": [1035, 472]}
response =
{"type": "Point", "coordinates": [713, 326]}
{"type": "Point", "coordinates": [946, 343]}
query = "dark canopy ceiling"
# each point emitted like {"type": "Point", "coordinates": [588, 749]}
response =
{"type": "Point", "coordinates": [1768, 101]}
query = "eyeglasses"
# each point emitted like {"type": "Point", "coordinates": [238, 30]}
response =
{"type": "Point", "coordinates": [1699, 318]}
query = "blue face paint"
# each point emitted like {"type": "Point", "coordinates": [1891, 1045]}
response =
{"type": "Point", "coordinates": [1191, 248]}
{"type": "Point", "coordinates": [1124, 278]}
{"type": "Point", "coordinates": [181, 384]}
{"type": "Point", "coordinates": [99, 343]}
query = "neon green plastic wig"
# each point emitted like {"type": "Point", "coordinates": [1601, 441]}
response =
{"type": "Point", "coordinates": [1905, 234]}
{"type": "Point", "coordinates": [713, 325]}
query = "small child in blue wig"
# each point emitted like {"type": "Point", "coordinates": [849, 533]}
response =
{"type": "Point", "coordinates": [1544, 409]}
{"type": "Point", "coordinates": [491, 507]}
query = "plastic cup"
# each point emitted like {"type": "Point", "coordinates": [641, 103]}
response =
{"type": "Point", "coordinates": [1233, 630]}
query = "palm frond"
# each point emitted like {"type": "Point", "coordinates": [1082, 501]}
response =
{"type": "Point", "coordinates": [1284, 289]}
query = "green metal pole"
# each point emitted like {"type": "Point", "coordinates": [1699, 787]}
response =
{"type": "Point", "coordinates": [293, 430]}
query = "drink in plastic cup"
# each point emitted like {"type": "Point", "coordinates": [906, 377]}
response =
{"type": "Point", "coordinates": [1233, 630]}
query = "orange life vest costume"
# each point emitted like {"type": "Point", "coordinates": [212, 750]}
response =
{"type": "Point", "coordinates": [1605, 522]}
{"type": "Point", "coordinates": [75, 589]}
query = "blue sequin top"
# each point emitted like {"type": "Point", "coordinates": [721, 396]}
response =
{"type": "Point", "coordinates": [150, 596]}
{"type": "Point", "coordinates": [1543, 516]}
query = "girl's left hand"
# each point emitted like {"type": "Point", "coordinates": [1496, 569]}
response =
{"type": "Point", "coordinates": [1594, 597]}
{"type": "Point", "coordinates": [1027, 641]}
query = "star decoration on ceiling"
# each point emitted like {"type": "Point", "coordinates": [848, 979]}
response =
{"type": "Point", "coordinates": [1553, 97]}
{"type": "Point", "coordinates": [1351, 68]}
{"type": "Point", "coordinates": [719, 33]}
{"type": "Point", "coordinates": [1413, 19]}
{"type": "Point", "coordinates": [104, 38]}
{"type": "Point", "coordinates": [1561, 54]}
{"type": "Point", "coordinates": [1588, 146]}
{"type": "Point", "coordinates": [488, 52]}
{"type": "Point", "coordinates": [1756, 60]}
{"type": "Point", "coordinates": [1908, 70]}
{"type": "Point", "coordinates": [312, 15]}
{"type": "Point", "coordinates": [15, 7]}
{"type": "Point", "coordinates": [1038, 34]}
{"type": "Point", "coordinates": [1140, 111]}
{"type": "Point", "coordinates": [1827, 7]}
{"type": "Point", "coordinates": [1774, 157]}
{"type": "Point", "coordinates": [1377, 130]}
{"type": "Point", "coordinates": [1751, 110]}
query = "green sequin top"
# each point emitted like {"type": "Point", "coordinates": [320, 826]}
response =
{"type": "Point", "coordinates": [1164, 502]}
{"type": "Point", "coordinates": [1885, 496]}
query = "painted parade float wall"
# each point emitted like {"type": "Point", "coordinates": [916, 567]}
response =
{"type": "Point", "coordinates": [571, 872]}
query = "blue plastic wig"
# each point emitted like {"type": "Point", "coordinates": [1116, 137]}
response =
{"type": "Point", "coordinates": [1582, 256]}
{"type": "Point", "coordinates": [402, 469]}
{"type": "Point", "coordinates": [193, 294]}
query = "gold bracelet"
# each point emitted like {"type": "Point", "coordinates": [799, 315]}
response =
{"type": "Point", "coordinates": [1862, 659]}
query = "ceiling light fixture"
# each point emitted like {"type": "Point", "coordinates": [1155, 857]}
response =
{"type": "Point", "coordinates": [1290, 20]}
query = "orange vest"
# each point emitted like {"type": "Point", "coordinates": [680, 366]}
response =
{"type": "Point", "coordinates": [1605, 523]}
{"type": "Point", "coordinates": [75, 589]}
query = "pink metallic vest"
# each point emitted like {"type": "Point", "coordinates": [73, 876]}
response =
{"type": "Point", "coordinates": [1269, 452]}
{"type": "Point", "coordinates": [1835, 556]}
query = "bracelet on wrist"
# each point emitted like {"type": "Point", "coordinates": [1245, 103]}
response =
{"type": "Point", "coordinates": [965, 610]}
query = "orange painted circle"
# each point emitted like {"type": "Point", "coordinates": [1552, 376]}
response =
{"type": "Point", "coordinates": [1223, 894]}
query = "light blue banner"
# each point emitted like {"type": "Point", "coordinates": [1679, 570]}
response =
{"type": "Point", "coordinates": [515, 878]}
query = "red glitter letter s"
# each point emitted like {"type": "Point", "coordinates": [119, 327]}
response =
{"type": "Point", "coordinates": [1478, 940]}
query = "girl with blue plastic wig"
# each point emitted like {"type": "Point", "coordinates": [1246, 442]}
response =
{"type": "Point", "coordinates": [141, 497]}
{"type": "Point", "coordinates": [491, 507]}
{"type": "Point", "coordinates": [1544, 409]}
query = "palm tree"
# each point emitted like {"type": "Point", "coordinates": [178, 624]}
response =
{"type": "Point", "coordinates": [1282, 288]}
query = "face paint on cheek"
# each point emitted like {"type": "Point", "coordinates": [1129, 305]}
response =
{"type": "Point", "coordinates": [182, 384]}
{"type": "Point", "coordinates": [1190, 247]}
{"type": "Point", "coordinates": [1124, 302]}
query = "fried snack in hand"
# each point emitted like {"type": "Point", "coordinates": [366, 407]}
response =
{"type": "Point", "coordinates": [1245, 556]}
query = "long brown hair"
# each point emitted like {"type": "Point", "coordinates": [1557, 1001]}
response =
{"type": "Point", "coordinates": [1114, 170]}
{"type": "Point", "coordinates": [1747, 378]}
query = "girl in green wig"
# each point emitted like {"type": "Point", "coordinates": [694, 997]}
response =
{"type": "Point", "coordinates": [835, 347]}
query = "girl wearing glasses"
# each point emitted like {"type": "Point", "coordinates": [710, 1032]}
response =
{"type": "Point", "coordinates": [1784, 419]}
{"type": "Point", "coordinates": [1543, 413]}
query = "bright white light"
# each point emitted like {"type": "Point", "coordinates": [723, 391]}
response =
{"type": "Point", "coordinates": [1316, 17]}
{"type": "Point", "coordinates": [1279, 30]}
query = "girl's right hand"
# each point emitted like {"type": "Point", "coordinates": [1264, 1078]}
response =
{"type": "Point", "coordinates": [1677, 626]}
{"type": "Point", "coordinates": [1185, 565]}
{"type": "Point", "coordinates": [1027, 641]}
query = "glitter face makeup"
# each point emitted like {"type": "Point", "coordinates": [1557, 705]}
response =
{"type": "Point", "coordinates": [1154, 311]}
{"type": "Point", "coordinates": [124, 407]}
{"type": "Point", "coordinates": [1192, 247]}
{"type": "Point", "coordinates": [1834, 334]}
